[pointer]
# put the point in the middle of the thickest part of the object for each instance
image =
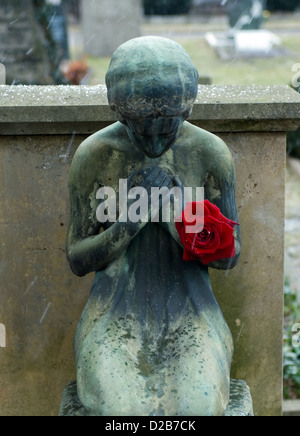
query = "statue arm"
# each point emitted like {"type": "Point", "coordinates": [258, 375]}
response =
{"type": "Point", "coordinates": [89, 254]}
{"type": "Point", "coordinates": [220, 189]}
{"type": "Point", "coordinates": [89, 248]}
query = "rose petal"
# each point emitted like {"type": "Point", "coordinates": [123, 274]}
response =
{"type": "Point", "coordinates": [212, 209]}
{"type": "Point", "coordinates": [207, 210]}
{"type": "Point", "coordinates": [223, 229]}
{"type": "Point", "coordinates": [228, 253]}
{"type": "Point", "coordinates": [233, 224]}
{"type": "Point", "coordinates": [226, 235]}
{"type": "Point", "coordinates": [179, 227]}
{"type": "Point", "coordinates": [188, 257]}
{"type": "Point", "coordinates": [221, 243]}
{"type": "Point", "coordinates": [190, 216]}
{"type": "Point", "coordinates": [198, 247]}
{"type": "Point", "coordinates": [216, 213]}
{"type": "Point", "coordinates": [208, 248]}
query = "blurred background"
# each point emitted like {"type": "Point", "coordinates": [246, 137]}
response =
{"type": "Point", "coordinates": [232, 42]}
{"type": "Point", "coordinates": [76, 38]}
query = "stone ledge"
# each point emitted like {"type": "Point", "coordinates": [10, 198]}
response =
{"type": "Point", "coordinates": [36, 110]}
{"type": "Point", "coordinates": [291, 408]}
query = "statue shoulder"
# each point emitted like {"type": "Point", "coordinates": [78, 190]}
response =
{"type": "Point", "coordinates": [209, 146]}
{"type": "Point", "coordinates": [97, 148]}
{"type": "Point", "coordinates": [109, 138]}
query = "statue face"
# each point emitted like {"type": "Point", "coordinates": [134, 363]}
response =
{"type": "Point", "coordinates": [154, 137]}
{"type": "Point", "coordinates": [152, 85]}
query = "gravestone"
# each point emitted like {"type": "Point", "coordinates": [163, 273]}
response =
{"type": "Point", "coordinates": [22, 48]}
{"type": "Point", "coordinates": [109, 23]}
{"type": "Point", "coordinates": [56, 12]}
{"type": "Point", "coordinates": [246, 14]}
{"type": "Point", "coordinates": [167, 7]}
{"type": "Point", "coordinates": [246, 38]}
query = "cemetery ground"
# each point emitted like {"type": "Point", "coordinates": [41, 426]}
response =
{"type": "Point", "coordinates": [269, 71]}
{"type": "Point", "coordinates": [191, 34]}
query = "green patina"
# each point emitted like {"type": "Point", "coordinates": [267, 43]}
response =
{"type": "Point", "coordinates": [152, 339]}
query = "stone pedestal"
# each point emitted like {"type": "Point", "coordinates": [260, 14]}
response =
{"type": "Point", "coordinates": [109, 23]}
{"type": "Point", "coordinates": [240, 403]}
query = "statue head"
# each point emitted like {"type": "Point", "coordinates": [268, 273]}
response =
{"type": "Point", "coordinates": [152, 85]}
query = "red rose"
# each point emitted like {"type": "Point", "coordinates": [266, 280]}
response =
{"type": "Point", "coordinates": [214, 239]}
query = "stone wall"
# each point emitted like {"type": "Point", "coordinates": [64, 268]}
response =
{"type": "Point", "coordinates": [41, 300]}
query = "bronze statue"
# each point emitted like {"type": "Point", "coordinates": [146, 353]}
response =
{"type": "Point", "coordinates": [152, 340]}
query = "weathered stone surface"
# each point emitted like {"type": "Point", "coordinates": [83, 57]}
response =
{"type": "Point", "coordinates": [84, 109]}
{"type": "Point", "coordinates": [291, 408]}
{"type": "Point", "coordinates": [109, 23]}
{"type": "Point", "coordinates": [240, 403]}
{"type": "Point", "coordinates": [41, 301]}
{"type": "Point", "coordinates": [70, 404]}
{"type": "Point", "coordinates": [252, 296]}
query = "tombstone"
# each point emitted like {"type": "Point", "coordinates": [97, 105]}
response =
{"type": "Point", "coordinates": [109, 23]}
{"type": "Point", "coordinates": [246, 38]}
{"type": "Point", "coordinates": [167, 7]}
{"type": "Point", "coordinates": [58, 27]}
{"type": "Point", "coordinates": [256, 43]}
{"type": "Point", "coordinates": [23, 46]}
{"type": "Point", "coordinates": [246, 14]}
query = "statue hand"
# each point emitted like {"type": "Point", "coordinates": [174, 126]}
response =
{"type": "Point", "coordinates": [178, 183]}
{"type": "Point", "coordinates": [151, 177]}
{"type": "Point", "coordinates": [142, 184]}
